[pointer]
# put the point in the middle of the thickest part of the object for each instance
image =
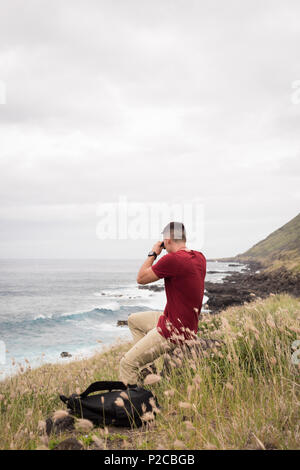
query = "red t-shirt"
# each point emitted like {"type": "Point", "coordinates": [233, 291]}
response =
{"type": "Point", "coordinates": [184, 273]}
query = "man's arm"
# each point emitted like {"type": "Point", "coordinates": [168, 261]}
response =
{"type": "Point", "coordinates": [145, 274]}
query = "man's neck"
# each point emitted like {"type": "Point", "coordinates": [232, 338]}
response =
{"type": "Point", "coordinates": [180, 247]}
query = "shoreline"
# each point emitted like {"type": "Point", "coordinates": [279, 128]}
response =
{"type": "Point", "coordinates": [253, 282]}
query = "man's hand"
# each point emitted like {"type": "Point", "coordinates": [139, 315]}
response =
{"type": "Point", "coordinates": [146, 275]}
{"type": "Point", "coordinates": [157, 248]}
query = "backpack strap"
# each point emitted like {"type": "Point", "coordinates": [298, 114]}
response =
{"type": "Point", "coordinates": [104, 385]}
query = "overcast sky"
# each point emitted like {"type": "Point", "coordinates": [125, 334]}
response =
{"type": "Point", "coordinates": [164, 101]}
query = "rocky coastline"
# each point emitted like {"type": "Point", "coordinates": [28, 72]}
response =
{"type": "Point", "coordinates": [238, 288]}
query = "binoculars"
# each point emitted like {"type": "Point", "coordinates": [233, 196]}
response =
{"type": "Point", "coordinates": [162, 245]}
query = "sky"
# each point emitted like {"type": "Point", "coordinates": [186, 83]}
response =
{"type": "Point", "coordinates": [166, 102]}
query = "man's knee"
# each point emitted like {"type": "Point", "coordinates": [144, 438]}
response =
{"type": "Point", "coordinates": [136, 320]}
{"type": "Point", "coordinates": [130, 319]}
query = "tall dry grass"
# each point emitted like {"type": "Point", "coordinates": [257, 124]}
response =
{"type": "Point", "coordinates": [241, 395]}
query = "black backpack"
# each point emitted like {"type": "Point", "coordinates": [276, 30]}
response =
{"type": "Point", "coordinates": [102, 410]}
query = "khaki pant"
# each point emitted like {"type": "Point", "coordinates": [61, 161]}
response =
{"type": "Point", "coordinates": [148, 345]}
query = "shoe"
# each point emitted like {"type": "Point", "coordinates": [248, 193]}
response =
{"type": "Point", "coordinates": [151, 369]}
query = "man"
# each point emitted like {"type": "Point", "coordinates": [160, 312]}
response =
{"type": "Point", "coordinates": [155, 333]}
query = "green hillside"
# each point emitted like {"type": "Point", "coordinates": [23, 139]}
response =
{"type": "Point", "coordinates": [280, 249]}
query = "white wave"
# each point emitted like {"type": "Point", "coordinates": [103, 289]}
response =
{"type": "Point", "coordinates": [157, 301]}
{"type": "Point", "coordinates": [105, 306]}
{"type": "Point", "coordinates": [109, 306]}
{"type": "Point", "coordinates": [41, 317]}
{"type": "Point", "coordinates": [125, 294]}
{"type": "Point", "coordinates": [70, 314]}
{"type": "Point", "coordinates": [130, 292]}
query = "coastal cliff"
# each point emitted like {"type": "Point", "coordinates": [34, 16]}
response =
{"type": "Point", "coordinates": [273, 267]}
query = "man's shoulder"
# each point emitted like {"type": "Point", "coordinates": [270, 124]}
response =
{"type": "Point", "coordinates": [170, 257]}
{"type": "Point", "coordinates": [201, 259]}
{"type": "Point", "coordinates": [197, 253]}
{"type": "Point", "coordinates": [189, 258]}
{"type": "Point", "coordinates": [167, 259]}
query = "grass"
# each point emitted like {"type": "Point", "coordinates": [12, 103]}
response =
{"type": "Point", "coordinates": [243, 395]}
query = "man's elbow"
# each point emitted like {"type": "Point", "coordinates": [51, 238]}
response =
{"type": "Point", "coordinates": [140, 281]}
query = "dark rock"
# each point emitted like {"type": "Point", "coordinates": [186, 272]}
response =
{"type": "Point", "coordinates": [154, 288]}
{"type": "Point", "coordinates": [65, 354]}
{"type": "Point", "coordinates": [219, 272]}
{"type": "Point", "coordinates": [69, 444]}
{"type": "Point", "coordinates": [122, 323]}
{"type": "Point", "coordinates": [150, 369]}
{"type": "Point", "coordinates": [65, 424]}
{"type": "Point", "coordinates": [242, 287]}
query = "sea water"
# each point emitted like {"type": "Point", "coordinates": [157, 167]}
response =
{"type": "Point", "coordinates": [51, 306]}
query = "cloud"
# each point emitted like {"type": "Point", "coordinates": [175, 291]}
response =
{"type": "Point", "coordinates": [163, 101]}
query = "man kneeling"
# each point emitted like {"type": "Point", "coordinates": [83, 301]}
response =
{"type": "Point", "coordinates": [155, 333]}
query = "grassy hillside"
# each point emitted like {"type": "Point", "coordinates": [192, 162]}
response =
{"type": "Point", "coordinates": [242, 396]}
{"type": "Point", "coordinates": [280, 249]}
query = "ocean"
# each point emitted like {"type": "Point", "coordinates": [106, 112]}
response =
{"type": "Point", "coordinates": [51, 306]}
